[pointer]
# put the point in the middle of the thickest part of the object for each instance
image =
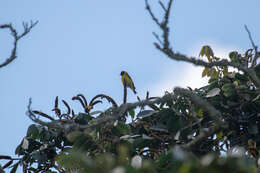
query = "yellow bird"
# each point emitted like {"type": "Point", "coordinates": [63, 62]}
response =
{"type": "Point", "coordinates": [127, 81]}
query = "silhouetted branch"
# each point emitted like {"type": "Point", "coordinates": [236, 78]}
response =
{"type": "Point", "coordinates": [56, 107]}
{"type": "Point", "coordinates": [67, 106]}
{"type": "Point", "coordinates": [80, 100]}
{"type": "Point", "coordinates": [254, 47]}
{"type": "Point", "coordinates": [27, 28]}
{"type": "Point", "coordinates": [9, 163]}
{"type": "Point", "coordinates": [167, 50]}
{"type": "Point", "coordinates": [109, 99]}
{"type": "Point", "coordinates": [151, 14]}
{"type": "Point", "coordinates": [43, 115]}
{"type": "Point", "coordinates": [164, 24]}
{"type": "Point", "coordinates": [83, 98]}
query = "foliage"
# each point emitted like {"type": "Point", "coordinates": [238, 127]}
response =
{"type": "Point", "coordinates": [211, 129]}
{"type": "Point", "coordinates": [153, 133]}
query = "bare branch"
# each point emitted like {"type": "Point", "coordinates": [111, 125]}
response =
{"type": "Point", "coordinates": [158, 38]}
{"type": "Point", "coordinates": [58, 124]}
{"type": "Point", "coordinates": [80, 100]}
{"type": "Point", "coordinates": [180, 57]}
{"type": "Point", "coordinates": [198, 62]}
{"type": "Point", "coordinates": [166, 49]}
{"type": "Point", "coordinates": [109, 99]}
{"type": "Point", "coordinates": [27, 29]}
{"type": "Point", "coordinates": [253, 45]}
{"type": "Point", "coordinates": [43, 115]}
{"type": "Point", "coordinates": [151, 13]}
{"type": "Point", "coordinates": [83, 98]}
{"type": "Point", "coordinates": [67, 106]}
{"type": "Point", "coordinates": [164, 24]}
{"type": "Point", "coordinates": [250, 37]}
{"type": "Point", "coordinates": [163, 7]}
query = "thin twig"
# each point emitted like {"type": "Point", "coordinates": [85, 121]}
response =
{"type": "Point", "coordinates": [253, 45]}
{"type": "Point", "coordinates": [222, 63]}
{"type": "Point", "coordinates": [250, 37]}
{"type": "Point", "coordinates": [163, 7]}
{"type": "Point", "coordinates": [158, 38]}
{"type": "Point", "coordinates": [27, 29]}
{"type": "Point", "coordinates": [165, 48]}
{"type": "Point", "coordinates": [43, 115]}
{"type": "Point", "coordinates": [151, 13]}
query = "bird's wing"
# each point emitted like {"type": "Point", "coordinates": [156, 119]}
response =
{"type": "Point", "coordinates": [132, 82]}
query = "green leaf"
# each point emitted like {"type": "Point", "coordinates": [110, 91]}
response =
{"type": "Point", "coordinates": [40, 157]}
{"type": "Point", "coordinates": [213, 79]}
{"type": "Point", "coordinates": [146, 113]}
{"type": "Point", "coordinates": [241, 77]}
{"type": "Point", "coordinates": [235, 57]}
{"type": "Point", "coordinates": [131, 113]}
{"type": "Point", "coordinates": [211, 72]}
{"type": "Point", "coordinates": [45, 135]}
{"type": "Point", "coordinates": [172, 121]}
{"type": "Point", "coordinates": [72, 136]}
{"type": "Point", "coordinates": [219, 135]}
{"type": "Point", "coordinates": [121, 129]}
{"type": "Point", "coordinates": [207, 51]}
{"type": "Point", "coordinates": [225, 71]}
{"type": "Point", "coordinates": [83, 118]}
{"type": "Point", "coordinates": [200, 113]}
{"type": "Point", "coordinates": [204, 72]}
{"type": "Point", "coordinates": [83, 142]}
{"type": "Point", "coordinates": [159, 128]}
{"type": "Point", "coordinates": [213, 92]}
{"type": "Point", "coordinates": [228, 89]}
{"type": "Point", "coordinates": [33, 131]}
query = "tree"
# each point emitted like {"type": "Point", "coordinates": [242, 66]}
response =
{"type": "Point", "coordinates": [210, 129]}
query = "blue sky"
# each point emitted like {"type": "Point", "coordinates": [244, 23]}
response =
{"type": "Point", "coordinates": [81, 47]}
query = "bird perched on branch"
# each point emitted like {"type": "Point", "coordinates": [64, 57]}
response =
{"type": "Point", "coordinates": [127, 81]}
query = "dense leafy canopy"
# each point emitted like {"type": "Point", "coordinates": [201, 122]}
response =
{"type": "Point", "coordinates": [211, 129]}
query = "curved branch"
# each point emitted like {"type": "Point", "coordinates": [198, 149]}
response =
{"type": "Point", "coordinates": [164, 46]}
{"type": "Point", "coordinates": [198, 62]}
{"type": "Point", "coordinates": [109, 99]}
{"type": "Point", "coordinates": [27, 29]}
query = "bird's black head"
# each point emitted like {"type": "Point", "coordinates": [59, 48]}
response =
{"type": "Point", "coordinates": [122, 73]}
